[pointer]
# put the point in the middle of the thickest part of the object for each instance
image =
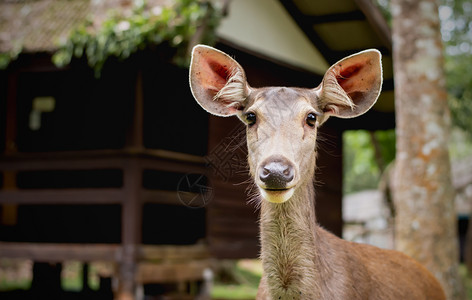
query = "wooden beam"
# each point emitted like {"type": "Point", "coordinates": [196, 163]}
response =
{"type": "Point", "coordinates": [372, 14]}
{"type": "Point", "coordinates": [171, 272]}
{"type": "Point", "coordinates": [172, 156]}
{"type": "Point", "coordinates": [102, 159]}
{"type": "Point", "coordinates": [174, 166]}
{"type": "Point", "coordinates": [306, 25]}
{"type": "Point", "coordinates": [62, 196]}
{"type": "Point", "coordinates": [356, 15]}
{"type": "Point", "coordinates": [82, 196]}
{"type": "Point", "coordinates": [161, 197]}
{"type": "Point", "coordinates": [377, 21]}
{"type": "Point", "coordinates": [57, 252]}
{"type": "Point", "coordinates": [38, 164]}
{"type": "Point", "coordinates": [173, 253]}
{"type": "Point", "coordinates": [46, 252]}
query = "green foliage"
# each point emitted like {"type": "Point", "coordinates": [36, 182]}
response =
{"type": "Point", "coordinates": [456, 25]}
{"type": "Point", "coordinates": [7, 57]}
{"type": "Point", "coordinates": [460, 144]}
{"type": "Point", "coordinates": [386, 140]}
{"type": "Point", "coordinates": [362, 167]}
{"type": "Point", "coordinates": [120, 36]}
{"type": "Point", "coordinates": [456, 31]}
{"type": "Point", "coordinates": [459, 82]}
{"type": "Point", "coordinates": [384, 7]}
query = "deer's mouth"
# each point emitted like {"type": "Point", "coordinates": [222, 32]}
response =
{"type": "Point", "coordinates": [277, 195]}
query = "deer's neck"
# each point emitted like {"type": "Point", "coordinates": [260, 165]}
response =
{"type": "Point", "coordinates": [288, 243]}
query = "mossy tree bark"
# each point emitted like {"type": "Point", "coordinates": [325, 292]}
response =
{"type": "Point", "coordinates": [423, 193]}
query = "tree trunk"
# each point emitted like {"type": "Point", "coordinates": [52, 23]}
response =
{"type": "Point", "coordinates": [426, 226]}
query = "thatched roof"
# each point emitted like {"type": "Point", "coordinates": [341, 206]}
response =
{"type": "Point", "coordinates": [38, 25]}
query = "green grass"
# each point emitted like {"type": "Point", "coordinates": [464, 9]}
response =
{"type": "Point", "coordinates": [247, 274]}
{"type": "Point", "coordinates": [15, 284]}
{"type": "Point", "coordinates": [234, 292]}
{"type": "Point", "coordinates": [68, 284]}
{"type": "Point", "coordinates": [467, 279]}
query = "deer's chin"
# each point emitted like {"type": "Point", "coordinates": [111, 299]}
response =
{"type": "Point", "coordinates": [276, 196]}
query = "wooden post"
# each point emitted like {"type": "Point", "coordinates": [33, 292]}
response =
{"type": "Point", "coordinates": [85, 276]}
{"type": "Point", "coordinates": [10, 211]}
{"type": "Point", "coordinates": [11, 116]}
{"type": "Point", "coordinates": [134, 132]}
{"type": "Point", "coordinates": [131, 230]}
{"type": "Point", "coordinates": [46, 283]}
{"type": "Point", "coordinates": [131, 215]}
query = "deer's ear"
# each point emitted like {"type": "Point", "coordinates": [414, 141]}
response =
{"type": "Point", "coordinates": [351, 86]}
{"type": "Point", "coordinates": [217, 81]}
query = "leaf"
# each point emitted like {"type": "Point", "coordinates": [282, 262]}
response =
{"type": "Point", "coordinates": [120, 36]}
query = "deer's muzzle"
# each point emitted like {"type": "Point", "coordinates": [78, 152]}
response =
{"type": "Point", "coordinates": [276, 174]}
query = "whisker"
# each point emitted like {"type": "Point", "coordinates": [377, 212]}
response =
{"type": "Point", "coordinates": [328, 141]}
{"type": "Point", "coordinates": [254, 197]}
{"type": "Point", "coordinates": [246, 181]}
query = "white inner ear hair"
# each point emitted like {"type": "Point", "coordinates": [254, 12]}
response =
{"type": "Point", "coordinates": [234, 92]}
{"type": "Point", "coordinates": [334, 95]}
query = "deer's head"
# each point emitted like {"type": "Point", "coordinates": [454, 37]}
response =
{"type": "Point", "coordinates": [282, 122]}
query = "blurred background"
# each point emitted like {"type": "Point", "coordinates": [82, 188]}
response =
{"type": "Point", "coordinates": [114, 183]}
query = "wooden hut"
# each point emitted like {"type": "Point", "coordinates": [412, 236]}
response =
{"type": "Point", "coordinates": [128, 168]}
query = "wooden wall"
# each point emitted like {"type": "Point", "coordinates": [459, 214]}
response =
{"type": "Point", "coordinates": [170, 120]}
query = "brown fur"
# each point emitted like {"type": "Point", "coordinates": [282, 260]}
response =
{"type": "Point", "coordinates": [299, 258]}
{"type": "Point", "coordinates": [310, 263]}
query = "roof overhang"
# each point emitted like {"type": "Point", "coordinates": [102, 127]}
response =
{"type": "Point", "coordinates": [311, 35]}
{"type": "Point", "coordinates": [265, 26]}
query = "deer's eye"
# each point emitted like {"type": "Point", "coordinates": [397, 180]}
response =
{"type": "Point", "coordinates": [250, 118]}
{"type": "Point", "coordinates": [311, 119]}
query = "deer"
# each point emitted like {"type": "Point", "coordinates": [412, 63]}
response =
{"type": "Point", "coordinates": [300, 259]}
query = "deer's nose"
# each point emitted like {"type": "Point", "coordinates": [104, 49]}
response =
{"type": "Point", "coordinates": [276, 173]}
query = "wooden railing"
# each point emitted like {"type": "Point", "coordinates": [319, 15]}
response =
{"type": "Point", "coordinates": [91, 160]}
{"type": "Point", "coordinates": [137, 263]}
{"type": "Point", "coordinates": [155, 264]}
